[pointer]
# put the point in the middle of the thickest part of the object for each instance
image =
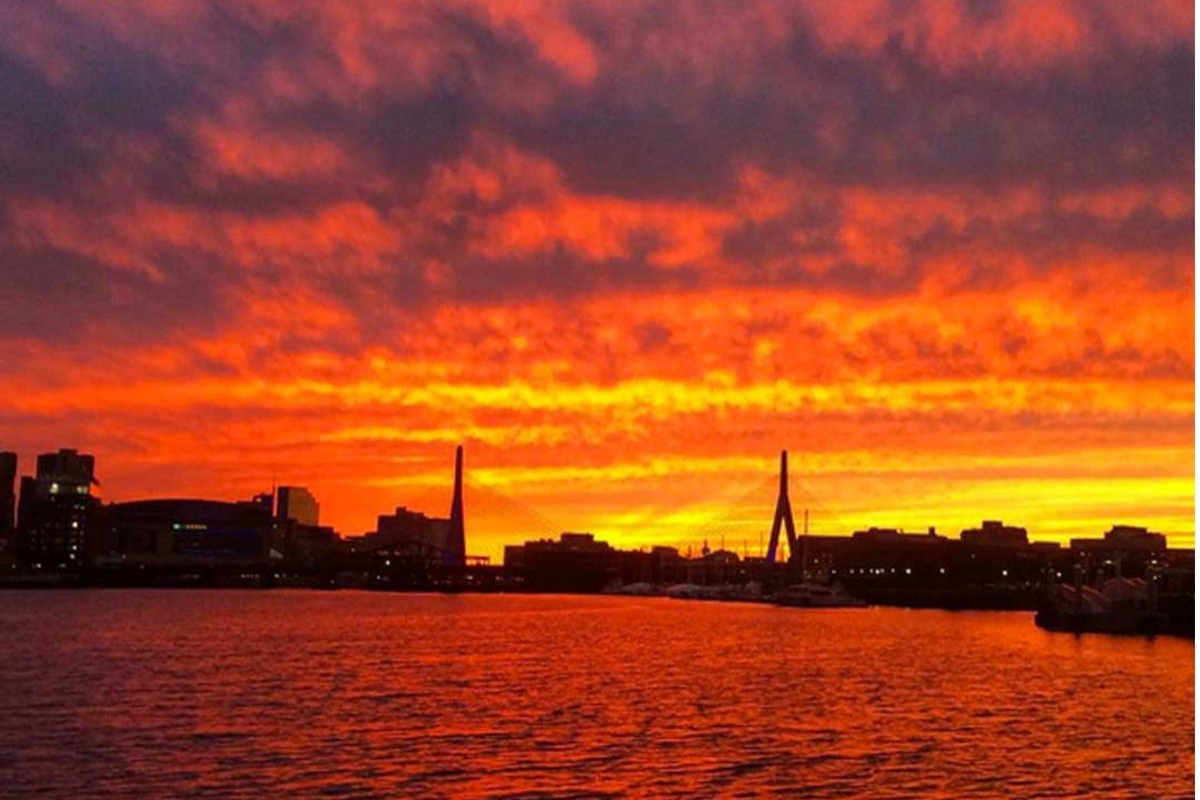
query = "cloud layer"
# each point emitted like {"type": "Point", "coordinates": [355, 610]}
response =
{"type": "Point", "coordinates": [626, 251]}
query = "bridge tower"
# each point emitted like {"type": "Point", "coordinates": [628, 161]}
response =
{"type": "Point", "coordinates": [455, 554]}
{"type": "Point", "coordinates": [783, 516]}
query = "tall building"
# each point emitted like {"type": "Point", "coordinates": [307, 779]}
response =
{"type": "Point", "coordinates": [57, 507]}
{"type": "Point", "coordinates": [25, 507]}
{"type": "Point", "coordinates": [67, 464]}
{"type": "Point", "coordinates": [8, 500]}
{"type": "Point", "coordinates": [297, 503]}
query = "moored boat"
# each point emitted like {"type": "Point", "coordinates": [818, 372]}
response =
{"type": "Point", "coordinates": [1118, 606]}
{"type": "Point", "coordinates": [816, 595]}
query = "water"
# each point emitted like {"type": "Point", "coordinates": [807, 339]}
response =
{"type": "Point", "coordinates": [128, 694]}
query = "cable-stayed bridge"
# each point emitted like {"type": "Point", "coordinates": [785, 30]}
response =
{"type": "Point", "coordinates": [763, 521]}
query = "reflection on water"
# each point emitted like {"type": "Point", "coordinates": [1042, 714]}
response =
{"type": "Point", "coordinates": [257, 694]}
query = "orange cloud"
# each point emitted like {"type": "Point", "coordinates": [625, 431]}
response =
{"type": "Point", "coordinates": [624, 251]}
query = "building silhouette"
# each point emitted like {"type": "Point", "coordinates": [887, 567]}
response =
{"type": "Point", "coordinates": [297, 503]}
{"type": "Point", "coordinates": [577, 562]}
{"type": "Point", "coordinates": [1123, 538]}
{"type": "Point", "coordinates": [189, 532]}
{"type": "Point", "coordinates": [57, 510]}
{"type": "Point", "coordinates": [897, 536]}
{"type": "Point", "coordinates": [263, 500]}
{"type": "Point", "coordinates": [995, 533]}
{"type": "Point", "coordinates": [68, 465]}
{"type": "Point", "coordinates": [410, 533]}
{"type": "Point", "coordinates": [8, 499]}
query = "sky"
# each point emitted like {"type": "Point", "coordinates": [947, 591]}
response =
{"type": "Point", "coordinates": [624, 252]}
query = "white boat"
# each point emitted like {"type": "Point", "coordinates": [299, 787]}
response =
{"type": "Point", "coordinates": [816, 595]}
{"type": "Point", "coordinates": [641, 589]}
{"type": "Point", "coordinates": [693, 591]}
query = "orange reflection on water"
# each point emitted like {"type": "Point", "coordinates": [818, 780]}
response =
{"type": "Point", "coordinates": [308, 693]}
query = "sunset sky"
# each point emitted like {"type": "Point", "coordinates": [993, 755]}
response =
{"type": "Point", "coordinates": [624, 251]}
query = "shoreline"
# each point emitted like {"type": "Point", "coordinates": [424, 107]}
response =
{"type": "Point", "coordinates": [44, 583]}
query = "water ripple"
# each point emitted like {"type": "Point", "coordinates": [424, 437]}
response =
{"type": "Point", "coordinates": [130, 694]}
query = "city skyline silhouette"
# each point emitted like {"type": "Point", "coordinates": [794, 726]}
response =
{"type": "Point", "coordinates": [498, 519]}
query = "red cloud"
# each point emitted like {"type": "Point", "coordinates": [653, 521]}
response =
{"type": "Point", "coordinates": [625, 251]}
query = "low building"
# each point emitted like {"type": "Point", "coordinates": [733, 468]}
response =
{"type": "Point", "coordinates": [187, 532]}
{"type": "Point", "coordinates": [667, 565]}
{"type": "Point", "coordinates": [897, 536]}
{"type": "Point", "coordinates": [301, 546]}
{"type": "Point", "coordinates": [410, 534]}
{"type": "Point", "coordinates": [715, 567]}
{"type": "Point", "coordinates": [264, 501]}
{"type": "Point", "coordinates": [514, 557]}
{"type": "Point", "coordinates": [994, 533]}
{"type": "Point", "coordinates": [577, 562]}
{"type": "Point", "coordinates": [1123, 538]}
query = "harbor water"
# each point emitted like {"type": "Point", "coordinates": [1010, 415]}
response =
{"type": "Point", "coordinates": [254, 694]}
